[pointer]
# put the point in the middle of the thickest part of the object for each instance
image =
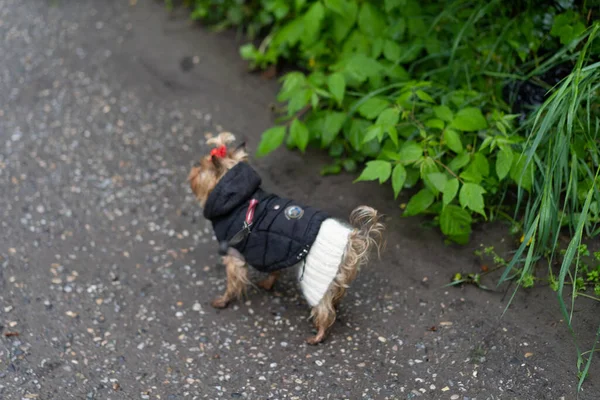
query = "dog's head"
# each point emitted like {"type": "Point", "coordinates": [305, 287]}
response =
{"type": "Point", "coordinates": [207, 172]}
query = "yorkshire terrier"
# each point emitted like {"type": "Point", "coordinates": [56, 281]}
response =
{"type": "Point", "coordinates": [271, 233]}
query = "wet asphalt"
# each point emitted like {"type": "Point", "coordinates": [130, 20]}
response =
{"type": "Point", "coordinates": [107, 267]}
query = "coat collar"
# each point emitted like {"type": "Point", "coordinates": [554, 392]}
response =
{"type": "Point", "coordinates": [235, 188]}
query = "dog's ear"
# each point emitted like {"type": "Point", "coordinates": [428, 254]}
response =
{"type": "Point", "coordinates": [241, 146]}
{"type": "Point", "coordinates": [193, 178]}
{"type": "Point", "coordinates": [240, 154]}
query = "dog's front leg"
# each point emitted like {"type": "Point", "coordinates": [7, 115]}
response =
{"type": "Point", "coordinates": [269, 281]}
{"type": "Point", "coordinates": [237, 279]}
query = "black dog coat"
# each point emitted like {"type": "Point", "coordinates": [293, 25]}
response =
{"type": "Point", "coordinates": [282, 231]}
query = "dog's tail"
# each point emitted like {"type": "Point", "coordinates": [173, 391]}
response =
{"type": "Point", "coordinates": [366, 235]}
{"type": "Point", "coordinates": [368, 232]}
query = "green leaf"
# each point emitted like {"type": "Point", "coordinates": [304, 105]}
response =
{"type": "Point", "coordinates": [455, 221]}
{"type": "Point", "coordinates": [471, 196]}
{"type": "Point", "coordinates": [389, 151]}
{"type": "Point", "coordinates": [433, 45]}
{"type": "Point", "coordinates": [393, 132]}
{"type": "Point", "coordinates": [416, 26]}
{"type": "Point", "coordinates": [486, 143]}
{"type": "Point", "coordinates": [331, 127]}
{"type": "Point", "coordinates": [336, 149]}
{"type": "Point", "coordinates": [349, 165]}
{"type": "Point", "coordinates": [459, 161]}
{"type": "Point", "coordinates": [469, 119]}
{"type": "Point", "coordinates": [299, 134]}
{"type": "Point", "coordinates": [270, 140]}
{"type": "Point", "coordinates": [314, 101]}
{"type": "Point", "coordinates": [312, 23]}
{"type": "Point", "coordinates": [354, 134]}
{"type": "Point", "coordinates": [376, 170]}
{"type": "Point", "coordinates": [427, 168]}
{"type": "Point", "coordinates": [279, 8]}
{"type": "Point", "coordinates": [410, 152]}
{"type": "Point", "coordinates": [412, 177]}
{"type": "Point", "coordinates": [333, 169]}
{"type": "Point", "coordinates": [373, 107]}
{"type": "Point", "coordinates": [391, 4]}
{"type": "Point", "coordinates": [480, 164]}
{"type": "Point", "coordinates": [439, 180]}
{"type": "Point", "coordinates": [335, 6]}
{"type": "Point", "coordinates": [342, 21]}
{"type": "Point", "coordinates": [453, 141]}
{"type": "Point", "coordinates": [361, 67]}
{"type": "Point", "coordinates": [435, 123]}
{"type": "Point", "coordinates": [463, 240]}
{"type": "Point", "coordinates": [471, 175]}
{"type": "Point", "coordinates": [424, 96]}
{"type": "Point", "coordinates": [450, 191]}
{"type": "Point", "coordinates": [566, 28]}
{"type": "Point", "coordinates": [520, 174]}
{"type": "Point", "coordinates": [371, 21]}
{"type": "Point", "coordinates": [248, 51]}
{"type": "Point", "coordinates": [392, 50]}
{"type": "Point", "coordinates": [371, 149]}
{"type": "Point", "coordinates": [290, 33]}
{"type": "Point", "coordinates": [340, 27]}
{"type": "Point", "coordinates": [560, 20]}
{"type": "Point", "coordinates": [375, 131]}
{"type": "Point", "coordinates": [389, 117]}
{"type": "Point", "coordinates": [419, 202]}
{"type": "Point", "coordinates": [337, 86]}
{"type": "Point", "coordinates": [444, 113]}
{"type": "Point", "coordinates": [504, 161]}
{"type": "Point", "coordinates": [317, 78]}
{"type": "Point", "coordinates": [376, 47]}
{"type": "Point", "coordinates": [292, 82]}
{"type": "Point", "coordinates": [298, 101]}
{"type": "Point", "coordinates": [398, 179]}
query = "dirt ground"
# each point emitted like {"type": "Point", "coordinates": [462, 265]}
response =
{"type": "Point", "coordinates": [107, 267]}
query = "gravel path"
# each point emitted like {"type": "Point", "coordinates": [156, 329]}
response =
{"type": "Point", "coordinates": [107, 267]}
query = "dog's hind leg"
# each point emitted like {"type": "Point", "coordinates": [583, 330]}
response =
{"type": "Point", "coordinates": [269, 281]}
{"type": "Point", "coordinates": [237, 280]}
{"type": "Point", "coordinates": [323, 316]}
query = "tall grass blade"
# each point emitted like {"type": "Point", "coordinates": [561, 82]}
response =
{"type": "Point", "coordinates": [589, 361]}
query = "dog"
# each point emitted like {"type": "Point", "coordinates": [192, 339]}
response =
{"type": "Point", "coordinates": [269, 233]}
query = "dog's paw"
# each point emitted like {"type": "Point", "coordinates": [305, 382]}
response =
{"type": "Point", "coordinates": [220, 303]}
{"type": "Point", "coordinates": [314, 340]}
{"type": "Point", "coordinates": [266, 284]}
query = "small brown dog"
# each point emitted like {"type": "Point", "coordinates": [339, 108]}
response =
{"type": "Point", "coordinates": [270, 233]}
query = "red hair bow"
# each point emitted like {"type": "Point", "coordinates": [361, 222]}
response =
{"type": "Point", "coordinates": [219, 152]}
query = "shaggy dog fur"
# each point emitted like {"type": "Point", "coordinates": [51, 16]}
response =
{"type": "Point", "coordinates": [366, 233]}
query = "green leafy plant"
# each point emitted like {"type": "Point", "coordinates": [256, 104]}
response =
{"type": "Point", "coordinates": [410, 91]}
{"type": "Point", "coordinates": [457, 145]}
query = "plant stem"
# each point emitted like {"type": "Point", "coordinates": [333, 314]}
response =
{"type": "Point", "coordinates": [298, 115]}
{"type": "Point", "coordinates": [588, 296]}
{"type": "Point", "coordinates": [448, 169]}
